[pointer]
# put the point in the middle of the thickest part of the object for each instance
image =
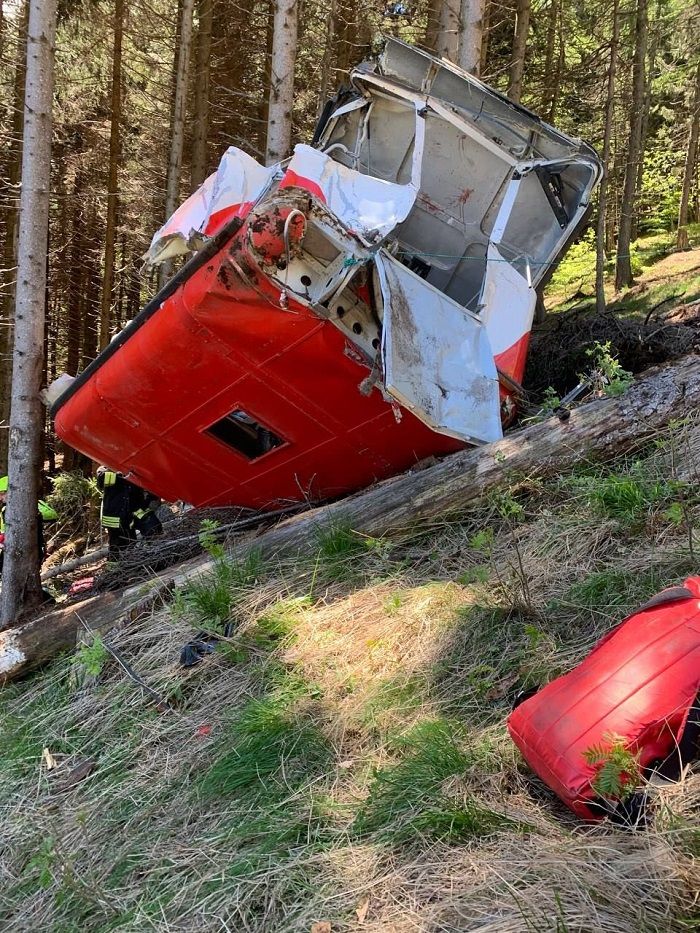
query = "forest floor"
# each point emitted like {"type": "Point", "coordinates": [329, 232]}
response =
{"type": "Point", "coordinates": [341, 762]}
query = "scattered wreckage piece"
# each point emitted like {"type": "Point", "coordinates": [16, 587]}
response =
{"type": "Point", "coordinates": [350, 311]}
{"type": "Point", "coordinates": [630, 708]}
{"type": "Point", "coordinates": [600, 429]}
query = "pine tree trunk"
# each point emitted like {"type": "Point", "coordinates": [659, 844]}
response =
{"type": "Point", "coordinates": [284, 51]}
{"type": "Point", "coordinates": [21, 586]}
{"type": "Point", "coordinates": [327, 61]}
{"type": "Point", "coordinates": [264, 100]}
{"type": "Point", "coordinates": [449, 29]}
{"type": "Point", "coordinates": [485, 37]}
{"type": "Point", "coordinates": [623, 267]}
{"type": "Point", "coordinates": [432, 27]}
{"type": "Point", "coordinates": [548, 87]}
{"type": "Point", "coordinates": [557, 78]}
{"type": "Point", "coordinates": [691, 154]}
{"type": "Point", "coordinates": [113, 180]}
{"type": "Point", "coordinates": [90, 312]}
{"type": "Point", "coordinates": [607, 139]}
{"type": "Point", "coordinates": [177, 128]}
{"type": "Point", "coordinates": [646, 106]}
{"type": "Point", "coordinates": [200, 122]}
{"type": "Point", "coordinates": [7, 298]}
{"type": "Point", "coordinates": [472, 22]}
{"type": "Point", "coordinates": [517, 58]}
{"type": "Point", "coordinates": [75, 278]}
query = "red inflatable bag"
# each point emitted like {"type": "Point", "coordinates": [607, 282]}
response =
{"type": "Point", "coordinates": [640, 682]}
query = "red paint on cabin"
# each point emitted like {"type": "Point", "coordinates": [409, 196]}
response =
{"type": "Point", "coordinates": [217, 346]}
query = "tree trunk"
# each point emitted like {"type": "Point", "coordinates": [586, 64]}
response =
{"type": "Point", "coordinates": [327, 60]}
{"type": "Point", "coordinates": [432, 26]}
{"type": "Point", "coordinates": [113, 180]}
{"type": "Point", "coordinates": [691, 154]}
{"type": "Point", "coordinates": [7, 298]}
{"type": "Point", "coordinates": [198, 169]}
{"type": "Point", "coordinates": [264, 100]}
{"type": "Point", "coordinates": [75, 278]}
{"type": "Point", "coordinates": [654, 30]}
{"type": "Point", "coordinates": [21, 587]}
{"type": "Point", "coordinates": [485, 28]}
{"type": "Point", "coordinates": [472, 20]}
{"type": "Point", "coordinates": [607, 138]}
{"type": "Point", "coordinates": [284, 52]}
{"type": "Point", "coordinates": [548, 88]}
{"type": "Point", "coordinates": [177, 128]}
{"type": "Point", "coordinates": [601, 429]}
{"type": "Point", "coordinates": [517, 57]}
{"type": "Point", "coordinates": [623, 269]}
{"type": "Point", "coordinates": [449, 30]}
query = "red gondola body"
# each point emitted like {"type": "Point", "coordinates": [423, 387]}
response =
{"type": "Point", "coordinates": [350, 311]}
{"type": "Point", "coordinates": [213, 348]}
{"type": "Point", "coordinates": [639, 684]}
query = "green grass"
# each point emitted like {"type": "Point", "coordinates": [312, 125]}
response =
{"type": "Point", "coordinates": [575, 276]}
{"type": "Point", "coordinates": [627, 497]}
{"type": "Point", "coordinates": [208, 601]}
{"type": "Point", "coordinates": [407, 801]}
{"type": "Point", "coordinates": [266, 735]}
{"type": "Point", "coordinates": [343, 555]}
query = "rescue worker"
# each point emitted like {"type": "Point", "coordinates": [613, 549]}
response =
{"type": "Point", "coordinates": [45, 514]}
{"type": "Point", "coordinates": [126, 510]}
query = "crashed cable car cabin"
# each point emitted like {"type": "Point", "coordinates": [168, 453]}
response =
{"type": "Point", "coordinates": [347, 312]}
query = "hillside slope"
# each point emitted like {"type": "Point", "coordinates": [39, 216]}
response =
{"type": "Point", "coordinates": [342, 758]}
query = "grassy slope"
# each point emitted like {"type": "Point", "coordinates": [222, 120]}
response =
{"type": "Point", "coordinates": [661, 275]}
{"type": "Point", "coordinates": [343, 756]}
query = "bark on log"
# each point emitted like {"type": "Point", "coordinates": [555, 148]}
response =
{"type": "Point", "coordinates": [601, 429]}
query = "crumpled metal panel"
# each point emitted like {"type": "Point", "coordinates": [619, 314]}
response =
{"type": "Point", "coordinates": [369, 207]}
{"type": "Point", "coordinates": [437, 357]}
{"type": "Point", "coordinates": [233, 188]}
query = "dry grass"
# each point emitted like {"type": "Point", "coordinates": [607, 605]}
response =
{"type": "Point", "coordinates": [343, 757]}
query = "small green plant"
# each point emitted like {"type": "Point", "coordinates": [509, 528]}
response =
{"type": "Point", "coordinates": [617, 768]}
{"type": "Point", "coordinates": [482, 541]}
{"type": "Point", "coordinates": [210, 598]}
{"type": "Point", "coordinates": [550, 400]}
{"type": "Point", "coordinates": [43, 862]}
{"type": "Point", "coordinates": [393, 604]}
{"type": "Point", "coordinates": [615, 379]}
{"type": "Point", "coordinates": [92, 657]}
{"type": "Point", "coordinates": [507, 505]}
{"type": "Point", "coordinates": [208, 538]}
{"type": "Point", "coordinates": [477, 574]}
{"type": "Point", "coordinates": [339, 547]}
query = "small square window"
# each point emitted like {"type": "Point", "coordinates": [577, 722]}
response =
{"type": "Point", "coordinates": [244, 434]}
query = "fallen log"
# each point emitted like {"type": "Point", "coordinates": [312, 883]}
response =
{"type": "Point", "coordinates": [601, 429]}
{"type": "Point", "coordinates": [90, 558]}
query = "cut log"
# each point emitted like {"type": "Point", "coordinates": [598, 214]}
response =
{"type": "Point", "coordinates": [598, 430]}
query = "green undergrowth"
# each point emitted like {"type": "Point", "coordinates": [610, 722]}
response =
{"type": "Point", "coordinates": [574, 279]}
{"type": "Point", "coordinates": [346, 740]}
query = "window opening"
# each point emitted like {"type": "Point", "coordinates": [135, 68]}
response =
{"type": "Point", "coordinates": [244, 434]}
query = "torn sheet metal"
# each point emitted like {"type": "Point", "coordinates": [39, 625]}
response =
{"type": "Point", "coordinates": [370, 306]}
{"type": "Point", "coordinates": [370, 208]}
{"type": "Point", "coordinates": [231, 190]}
{"type": "Point", "coordinates": [437, 357]}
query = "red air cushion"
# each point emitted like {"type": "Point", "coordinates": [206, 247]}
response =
{"type": "Point", "coordinates": [639, 682]}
